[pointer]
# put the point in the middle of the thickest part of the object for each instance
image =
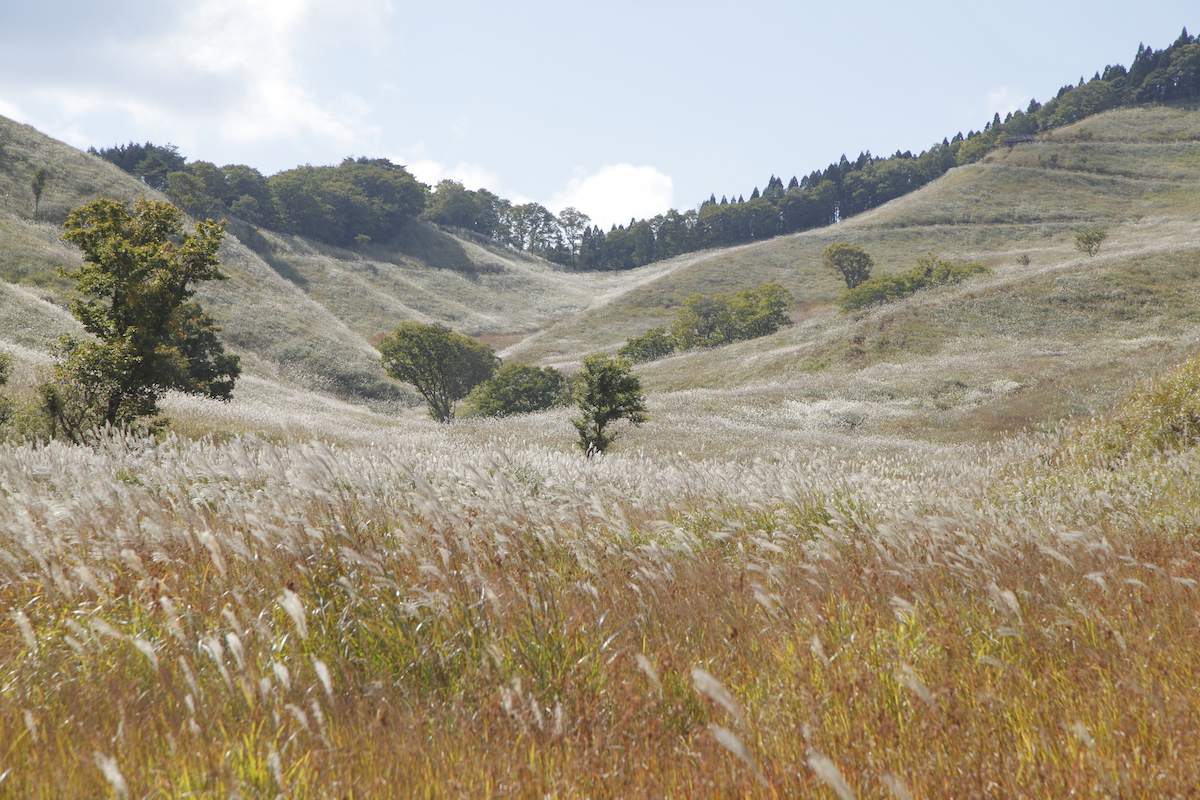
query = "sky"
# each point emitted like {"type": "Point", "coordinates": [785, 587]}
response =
{"type": "Point", "coordinates": [622, 109]}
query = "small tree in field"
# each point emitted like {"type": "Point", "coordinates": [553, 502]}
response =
{"type": "Point", "coordinates": [606, 391]}
{"type": "Point", "coordinates": [850, 260]}
{"type": "Point", "coordinates": [444, 366]}
{"type": "Point", "coordinates": [518, 389]}
{"type": "Point", "coordinates": [1089, 239]}
{"type": "Point", "coordinates": [38, 185]}
{"type": "Point", "coordinates": [134, 296]}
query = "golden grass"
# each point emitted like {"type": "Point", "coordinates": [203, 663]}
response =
{"type": "Point", "coordinates": [433, 613]}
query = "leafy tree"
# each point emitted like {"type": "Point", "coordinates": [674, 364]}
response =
{"type": "Point", "coordinates": [760, 311]}
{"type": "Point", "coordinates": [518, 389]}
{"type": "Point", "coordinates": [652, 345]}
{"type": "Point", "coordinates": [850, 260]}
{"type": "Point", "coordinates": [606, 391]}
{"type": "Point", "coordinates": [573, 222]}
{"type": "Point", "coordinates": [150, 162]}
{"type": "Point", "coordinates": [38, 185]}
{"type": "Point", "coordinates": [443, 366]}
{"type": "Point", "coordinates": [369, 197]}
{"type": "Point", "coordinates": [134, 296]}
{"type": "Point", "coordinates": [704, 321]}
{"type": "Point", "coordinates": [1089, 239]}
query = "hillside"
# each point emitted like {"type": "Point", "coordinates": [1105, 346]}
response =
{"type": "Point", "coordinates": [1026, 346]}
{"type": "Point", "coordinates": [296, 311]}
{"type": "Point", "coordinates": [876, 554]}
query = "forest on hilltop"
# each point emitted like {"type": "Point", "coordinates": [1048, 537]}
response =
{"type": "Point", "coordinates": [363, 199]}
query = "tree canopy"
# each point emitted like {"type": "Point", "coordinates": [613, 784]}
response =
{"type": "Point", "coordinates": [606, 391]}
{"type": "Point", "coordinates": [850, 261]}
{"type": "Point", "coordinates": [518, 389]}
{"type": "Point", "coordinates": [443, 366]}
{"type": "Point", "coordinates": [134, 295]}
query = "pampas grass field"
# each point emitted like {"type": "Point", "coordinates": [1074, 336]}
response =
{"type": "Point", "coordinates": [944, 547]}
{"type": "Point", "coordinates": [411, 611]}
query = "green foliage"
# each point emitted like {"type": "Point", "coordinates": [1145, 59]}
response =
{"type": "Point", "coordinates": [443, 366]}
{"type": "Point", "coordinates": [851, 261]}
{"type": "Point", "coordinates": [150, 162]}
{"type": "Point", "coordinates": [1162, 416]}
{"type": "Point", "coordinates": [653, 344]}
{"type": "Point", "coordinates": [134, 293]}
{"type": "Point", "coordinates": [704, 321]}
{"type": "Point", "coordinates": [453, 205]}
{"type": "Point", "coordinates": [606, 390]}
{"type": "Point", "coordinates": [368, 197]}
{"type": "Point", "coordinates": [518, 389]}
{"type": "Point", "coordinates": [1089, 239]}
{"type": "Point", "coordinates": [929, 271]}
{"type": "Point", "coordinates": [714, 320]}
{"type": "Point", "coordinates": [38, 185]}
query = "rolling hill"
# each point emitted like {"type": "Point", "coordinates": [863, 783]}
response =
{"type": "Point", "coordinates": [298, 312]}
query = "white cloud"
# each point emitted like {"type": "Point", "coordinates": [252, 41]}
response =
{"type": "Point", "coordinates": [1002, 100]}
{"type": "Point", "coordinates": [616, 192]}
{"type": "Point", "coordinates": [472, 176]}
{"type": "Point", "coordinates": [257, 46]}
{"type": "Point", "coordinates": [218, 76]}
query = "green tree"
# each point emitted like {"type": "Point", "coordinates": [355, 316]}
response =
{"type": "Point", "coordinates": [1089, 239]}
{"type": "Point", "coordinates": [443, 366]}
{"type": "Point", "coordinates": [760, 311]}
{"type": "Point", "coordinates": [134, 296]}
{"type": "Point", "coordinates": [518, 389]}
{"type": "Point", "coordinates": [606, 391]}
{"type": "Point", "coordinates": [38, 185]}
{"type": "Point", "coordinates": [850, 260]}
{"type": "Point", "coordinates": [652, 345]}
{"type": "Point", "coordinates": [704, 321]}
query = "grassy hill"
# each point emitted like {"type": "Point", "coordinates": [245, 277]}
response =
{"type": "Point", "coordinates": [1026, 346]}
{"type": "Point", "coordinates": [296, 311]}
{"type": "Point", "coordinates": [806, 573]}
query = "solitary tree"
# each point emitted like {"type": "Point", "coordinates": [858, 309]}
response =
{"type": "Point", "coordinates": [850, 260]}
{"type": "Point", "coordinates": [38, 185]}
{"type": "Point", "coordinates": [518, 389]}
{"type": "Point", "coordinates": [444, 366]}
{"type": "Point", "coordinates": [1089, 239]}
{"type": "Point", "coordinates": [606, 391]}
{"type": "Point", "coordinates": [134, 296]}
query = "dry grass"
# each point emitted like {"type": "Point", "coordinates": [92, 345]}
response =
{"type": "Point", "coordinates": [794, 580]}
{"type": "Point", "coordinates": [498, 617]}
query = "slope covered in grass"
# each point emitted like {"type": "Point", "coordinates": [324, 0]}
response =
{"type": "Point", "coordinates": [296, 311]}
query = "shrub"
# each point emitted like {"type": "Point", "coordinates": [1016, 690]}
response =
{"type": "Point", "coordinates": [850, 260]}
{"type": "Point", "coordinates": [606, 391]}
{"type": "Point", "coordinates": [518, 389]}
{"type": "Point", "coordinates": [1089, 239]}
{"type": "Point", "coordinates": [1162, 416]}
{"type": "Point", "coordinates": [704, 321]}
{"type": "Point", "coordinates": [709, 321]}
{"type": "Point", "coordinates": [929, 271]}
{"type": "Point", "coordinates": [444, 366]}
{"type": "Point", "coordinates": [654, 344]}
{"type": "Point", "coordinates": [760, 312]}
